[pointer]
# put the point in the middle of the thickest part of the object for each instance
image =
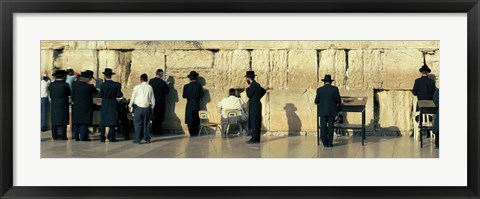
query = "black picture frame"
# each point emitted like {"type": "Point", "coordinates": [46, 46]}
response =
{"type": "Point", "coordinates": [10, 7]}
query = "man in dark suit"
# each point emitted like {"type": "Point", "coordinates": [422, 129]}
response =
{"type": "Point", "coordinates": [59, 93]}
{"type": "Point", "coordinates": [436, 128]}
{"type": "Point", "coordinates": [193, 92]}
{"type": "Point", "coordinates": [255, 92]}
{"type": "Point", "coordinates": [327, 100]}
{"type": "Point", "coordinates": [424, 87]}
{"type": "Point", "coordinates": [109, 92]}
{"type": "Point", "coordinates": [82, 108]}
{"type": "Point", "coordinates": [160, 90]}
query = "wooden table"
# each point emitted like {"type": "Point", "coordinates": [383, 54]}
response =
{"type": "Point", "coordinates": [349, 104]}
{"type": "Point", "coordinates": [426, 107]}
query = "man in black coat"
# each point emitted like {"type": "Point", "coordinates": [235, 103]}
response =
{"type": "Point", "coordinates": [424, 87]}
{"type": "Point", "coordinates": [255, 92]}
{"type": "Point", "coordinates": [436, 128]}
{"type": "Point", "coordinates": [160, 90]}
{"type": "Point", "coordinates": [109, 92]}
{"type": "Point", "coordinates": [327, 100]}
{"type": "Point", "coordinates": [193, 92]}
{"type": "Point", "coordinates": [59, 93]}
{"type": "Point", "coordinates": [82, 108]}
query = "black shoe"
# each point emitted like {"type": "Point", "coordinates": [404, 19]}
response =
{"type": "Point", "coordinates": [135, 142]}
{"type": "Point", "coordinates": [113, 140]}
{"type": "Point", "coordinates": [331, 145]}
{"type": "Point", "coordinates": [411, 135]}
{"type": "Point", "coordinates": [102, 140]}
{"type": "Point", "coordinates": [87, 140]}
{"type": "Point", "coordinates": [64, 138]}
{"type": "Point", "coordinates": [76, 139]}
{"type": "Point", "coordinates": [54, 139]}
{"type": "Point", "coordinates": [148, 141]}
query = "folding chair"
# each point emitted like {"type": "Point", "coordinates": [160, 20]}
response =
{"type": "Point", "coordinates": [427, 122]}
{"type": "Point", "coordinates": [205, 122]}
{"type": "Point", "coordinates": [232, 119]}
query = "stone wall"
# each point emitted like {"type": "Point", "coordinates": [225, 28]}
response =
{"type": "Point", "coordinates": [383, 71]}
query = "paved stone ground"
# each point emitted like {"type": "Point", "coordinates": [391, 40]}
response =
{"type": "Point", "coordinates": [233, 146]}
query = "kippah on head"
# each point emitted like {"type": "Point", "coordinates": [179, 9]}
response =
{"type": "Point", "coordinates": [159, 70]}
{"type": "Point", "coordinates": [144, 77]}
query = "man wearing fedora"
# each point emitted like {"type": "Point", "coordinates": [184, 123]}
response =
{"type": "Point", "coordinates": [142, 103]}
{"type": "Point", "coordinates": [193, 92]}
{"type": "Point", "coordinates": [82, 108]}
{"type": "Point", "coordinates": [59, 93]}
{"type": "Point", "coordinates": [327, 100]}
{"type": "Point", "coordinates": [160, 90]}
{"type": "Point", "coordinates": [424, 87]}
{"type": "Point", "coordinates": [255, 92]}
{"type": "Point", "coordinates": [109, 92]}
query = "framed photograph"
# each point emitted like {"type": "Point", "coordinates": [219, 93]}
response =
{"type": "Point", "coordinates": [266, 99]}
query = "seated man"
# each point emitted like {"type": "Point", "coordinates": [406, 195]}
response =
{"type": "Point", "coordinates": [232, 102]}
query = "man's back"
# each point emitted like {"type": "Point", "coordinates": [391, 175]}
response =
{"type": "Point", "coordinates": [110, 90]}
{"type": "Point", "coordinates": [424, 88]}
{"type": "Point", "coordinates": [160, 89]}
{"type": "Point", "coordinates": [230, 103]}
{"type": "Point", "coordinates": [327, 99]}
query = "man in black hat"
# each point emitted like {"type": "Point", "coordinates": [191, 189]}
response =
{"type": "Point", "coordinates": [327, 100]}
{"type": "Point", "coordinates": [193, 92]}
{"type": "Point", "coordinates": [255, 92]}
{"type": "Point", "coordinates": [82, 108]}
{"type": "Point", "coordinates": [160, 90]}
{"type": "Point", "coordinates": [424, 87]}
{"type": "Point", "coordinates": [59, 93]}
{"type": "Point", "coordinates": [109, 92]}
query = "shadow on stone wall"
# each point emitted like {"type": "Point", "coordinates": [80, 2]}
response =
{"type": "Point", "coordinates": [293, 120]}
{"type": "Point", "coordinates": [172, 122]}
{"type": "Point", "coordinates": [206, 95]}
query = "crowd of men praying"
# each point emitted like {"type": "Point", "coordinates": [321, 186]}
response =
{"type": "Point", "coordinates": [71, 95]}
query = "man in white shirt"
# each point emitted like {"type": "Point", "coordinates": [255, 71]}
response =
{"type": "Point", "coordinates": [232, 102]}
{"type": "Point", "coordinates": [44, 83]}
{"type": "Point", "coordinates": [141, 104]}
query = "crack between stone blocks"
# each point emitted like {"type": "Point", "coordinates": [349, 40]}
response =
{"type": "Point", "coordinates": [250, 62]}
{"type": "Point", "coordinates": [345, 81]}
{"type": "Point", "coordinates": [318, 65]}
{"type": "Point", "coordinates": [286, 75]}
{"type": "Point", "coordinates": [97, 52]}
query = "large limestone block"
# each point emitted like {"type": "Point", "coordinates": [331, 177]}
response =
{"type": "Point", "coordinates": [364, 69]}
{"type": "Point", "coordinates": [220, 45]}
{"type": "Point", "coordinates": [302, 69]}
{"type": "Point", "coordinates": [143, 61]}
{"type": "Point", "coordinates": [53, 45]}
{"type": "Point", "coordinates": [332, 62]}
{"type": "Point", "coordinates": [292, 111]}
{"type": "Point", "coordinates": [402, 45]}
{"type": "Point", "coordinates": [87, 45]}
{"type": "Point", "coordinates": [144, 45]}
{"type": "Point", "coordinates": [278, 69]}
{"type": "Point", "coordinates": [46, 61]}
{"type": "Point", "coordinates": [432, 59]}
{"type": "Point", "coordinates": [189, 59]}
{"type": "Point", "coordinates": [118, 61]}
{"type": "Point", "coordinates": [261, 66]}
{"type": "Point", "coordinates": [401, 68]}
{"type": "Point", "coordinates": [80, 60]}
{"type": "Point", "coordinates": [265, 44]}
{"type": "Point", "coordinates": [395, 110]}
{"type": "Point", "coordinates": [229, 68]}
